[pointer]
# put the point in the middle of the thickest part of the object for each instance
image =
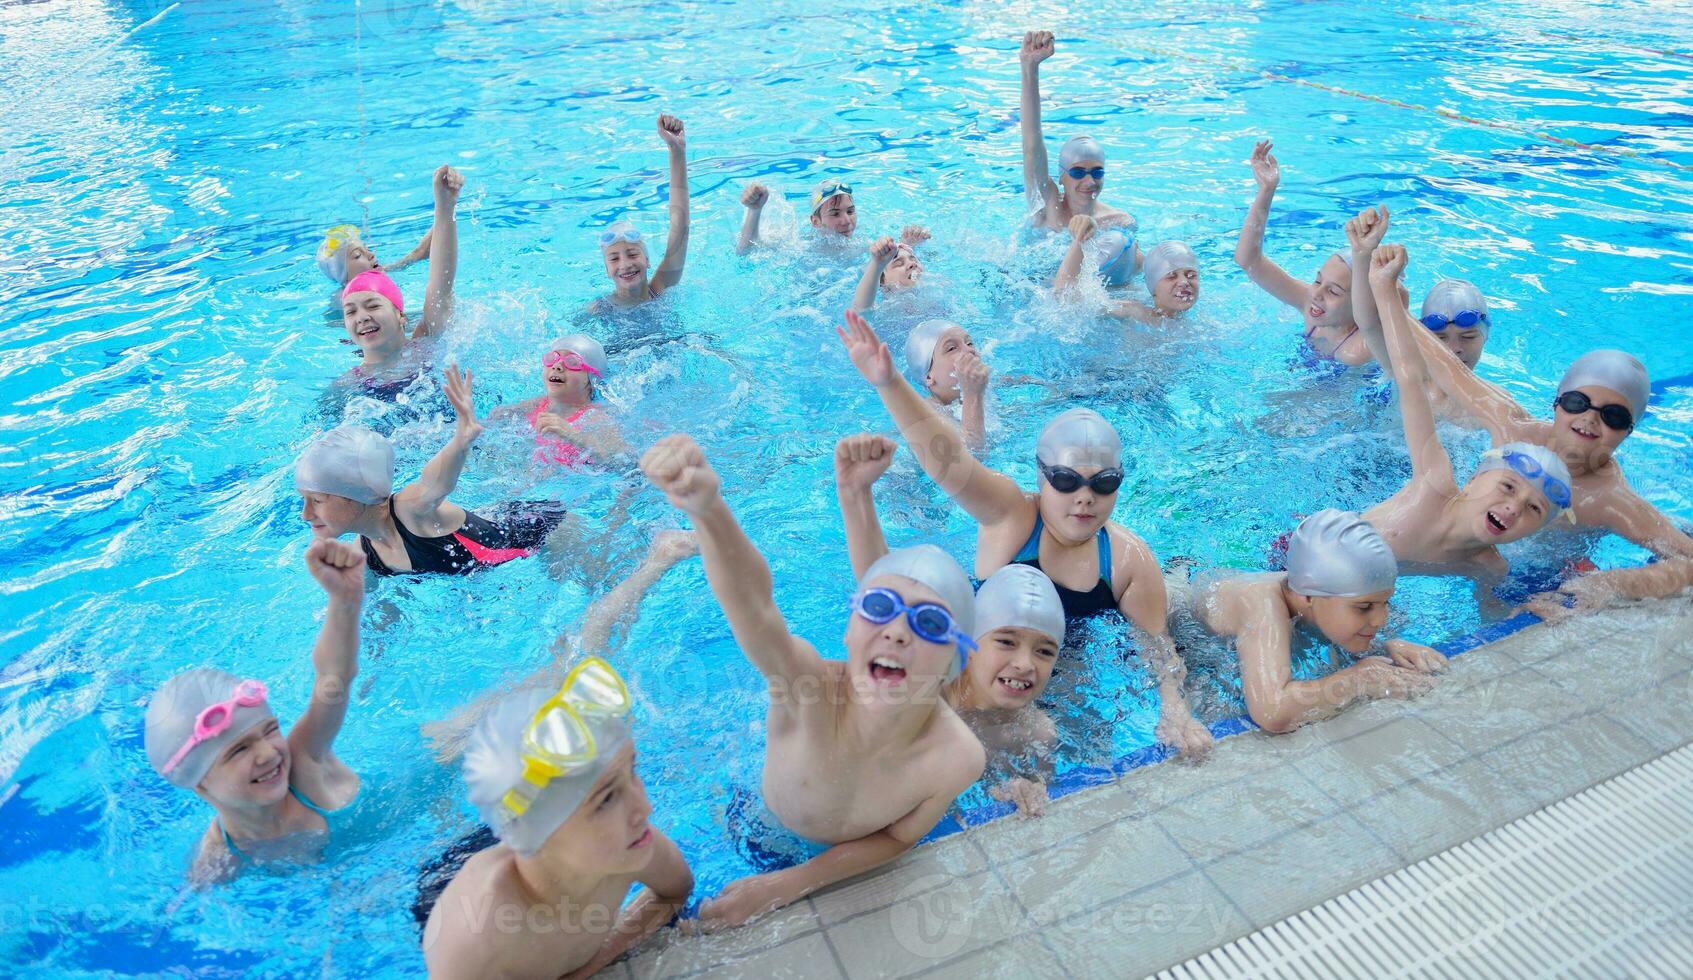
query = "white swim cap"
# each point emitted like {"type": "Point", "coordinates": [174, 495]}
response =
{"type": "Point", "coordinates": [1020, 596]}
{"type": "Point", "coordinates": [1165, 258]}
{"type": "Point", "coordinates": [585, 347]}
{"type": "Point", "coordinates": [332, 252]}
{"type": "Point", "coordinates": [173, 712]}
{"type": "Point", "coordinates": [1078, 148]}
{"type": "Point", "coordinates": [920, 346]}
{"type": "Point", "coordinates": [1536, 464]}
{"type": "Point", "coordinates": [493, 766]}
{"type": "Point", "coordinates": [1449, 297]}
{"type": "Point", "coordinates": [1337, 553]}
{"type": "Point", "coordinates": [1079, 437]}
{"type": "Point", "coordinates": [620, 231]}
{"type": "Point", "coordinates": [1115, 248]}
{"type": "Point", "coordinates": [1617, 370]}
{"type": "Point", "coordinates": [929, 566]}
{"type": "Point", "coordinates": [348, 461]}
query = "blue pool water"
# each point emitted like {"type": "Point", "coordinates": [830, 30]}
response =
{"type": "Point", "coordinates": [163, 349]}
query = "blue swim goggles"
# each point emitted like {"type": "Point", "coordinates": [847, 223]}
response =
{"type": "Point", "coordinates": [1555, 489]}
{"type": "Point", "coordinates": [615, 234]}
{"type": "Point", "coordinates": [1077, 173]}
{"type": "Point", "coordinates": [1465, 319]}
{"type": "Point", "coordinates": [930, 621]}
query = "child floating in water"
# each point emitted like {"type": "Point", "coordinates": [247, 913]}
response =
{"type": "Point", "coordinates": [863, 755]}
{"type": "Point", "coordinates": [374, 313]}
{"type": "Point", "coordinates": [1019, 628]}
{"type": "Point", "coordinates": [553, 772]}
{"type": "Point", "coordinates": [571, 428]}
{"type": "Point", "coordinates": [833, 214]}
{"type": "Point", "coordinates": [1326, 301]}
{"type": "Point", "coordinates": [624, 250]}
{"type": "Point", "coordinates": [1431, 522]}
{"type": "Point", "coordinates": [1171, 275]}
{"type": "Point", "coordinates": [893, 267]}
{"type": "Point", "coordinates": [213, 733]}
{"type": "Point", "coordinates": [1064, 530]}
{"type": "Point", "coordinates": [1340, 576]}
{"type": "Point", "coordinates": [1081, 161]}
{"type": "Point", "coordinates": [346, 479]}
{"type": "Point", "coordinates": [343, 254]}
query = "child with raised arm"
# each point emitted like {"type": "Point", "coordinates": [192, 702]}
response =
{"type": "Point", "coordinates": [1432, 523]}
{"type": "Point", "coordinates": [893, 267]}
{"type": "Point", "coordinates": [862, 755]}
{"type": "Point", "coordinates": [1326, 301]}
{"type": "Point", "coordinates": [941, 357]}
{"type": "Point", "coordinates": [572, 427]}
{"type": "Point", "coordinates": [1171, 273]}
{"type": "Point", "coordinates": [1081, 161]}
{"type": "Point", "coordinates": [1019, 629]}
{"type": "Point", "coordinates": [1340, 576]}
{"type": "Point", "coordinates": [214, 734]}
{"type": "Point", "coordinates": [1064, 529]}
{"type": "Point", "coordinates": [373, 311]}
{"type": "Point", "coordinates": [624, 250]}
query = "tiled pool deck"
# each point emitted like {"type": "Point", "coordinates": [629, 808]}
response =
{"type": "Point", "coordinates": [1170, 860]}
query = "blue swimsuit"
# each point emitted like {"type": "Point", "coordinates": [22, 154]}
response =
{"type": "Point", "coordinates": [1077, 605]}
{"type": "Point", "coordinates": [320, 811]}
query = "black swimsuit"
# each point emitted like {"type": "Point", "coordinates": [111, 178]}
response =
{"type": "Point", "coordinates": [1077, 605]}
{"type": "Point", "coordinates": [517, 530]}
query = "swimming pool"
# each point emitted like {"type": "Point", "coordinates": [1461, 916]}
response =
{"type": "Point", "coordinates": [163, 346]}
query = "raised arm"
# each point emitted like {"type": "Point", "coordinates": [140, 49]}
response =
{"type": "Point", "coordinates": [1363, 235]}
{"type": "Point", "coordinates": [1430, 463]}
{"type": "Point", "coordinates": [882, 252]}
{"type": "Point", "coordinates": [1082, 228]}
{"type": "Point", "coordinates": [669, 271]}
{"type": "Point", "coordinates": [973, 376]}
{"type": "Point", "coordinates": [1488, 404]}
{"type": "Point", "coordinates": [1249, 251]}
{"type": "Point", "coordinates": [859, 462]}
{"type": "Point", "coordinates": [339, 569]}
{"type": "Point", "coordinates": [441, 475]}
{"type": "Point", "coordinates": [738, 574]}
{"type": "Point", "coordinates": [753, 198]}
{"type": "Point", "coordinates": [989, 497]}
{"type": "Point", "coordinates": [443, 253]}
{"type": "Point", "coordinates": [1037, 178]}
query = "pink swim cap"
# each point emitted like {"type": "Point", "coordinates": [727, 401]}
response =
{"type": "Point", "coordinates": [375, 281]}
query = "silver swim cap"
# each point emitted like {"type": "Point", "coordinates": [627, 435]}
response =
{"type": "Point", "coordinates": [348, 461]}
{"type": "Point", "coordinates": [920, 347]}
{"type": "Point", "coordinates": [1336, 553]}
{"type": "Point", "coordinates": [1079, 437]}
{"type": "Point", "coordinates": [171, 718]}
{"type": "Point", "coordinates": [929, 566]}
{"type": "Point", "coordinates": [1536, 464]}
{"type": "Point", "coordinates": [1617, 370]}
{"type": "Point", "coordinates": [585, 347]}
{"type": "Point", "coordinates": [1115, 248]}
{"type": "Point", "coordinates": [493, 765]}
{"type": "Point", "coordinates": [1449, 297]}
{"type": "Point", "coordinates": [1165, 258]}
{"type": "Point", "coordinates": [332, 252]}
{"type": "Point", "coordinates": [1078, 148]}
{"type": "Point", "coordinates": [1020, 596]}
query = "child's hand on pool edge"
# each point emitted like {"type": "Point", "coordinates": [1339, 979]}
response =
{"type": "Point", "coordinates": [339, 568]}
{"type": "Point", "coordinates": [740, 901]}
{"type": "Point", "coordinates": [1028, 795]}
{"type": "Point", "coordinates": [676, 466]}
{"type": "Point", "coordinates": [867, 351]}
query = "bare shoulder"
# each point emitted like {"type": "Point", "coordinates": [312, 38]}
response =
{"type": "Point", "coordinates": [212, 862]}
{"type": "Point", "coordinates": [959, 748]}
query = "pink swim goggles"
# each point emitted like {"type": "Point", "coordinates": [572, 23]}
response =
{"type": "Point", "coordinates": [214, 720]}
{"type": "Point", "coordinates": [571, 360]}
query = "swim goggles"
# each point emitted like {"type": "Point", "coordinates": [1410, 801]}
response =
{"type": "Point", "coordinates": [1465, 319]}
{"type": "Point", "coordinates": [213, 720]}
{"type": "Point", "coordinates": [827, 190]}
{"type": "Point", "coordinates": [1555, 489]}
{"type": "Point", "coordinates": [1615, 416]}
{"type": "Point", "coordinates": [557, 740]}
{"type": "Point", "coordinates": [930, 621]}
{"type": "Point", "coordinates": [338, 236]}
{"type": "Point", "coordinates": [571, 360]}
{"type": "Point", "coordinates": [1066, 480]}
{"type": "Point", "coordinates": [1077, 173]}
{"type": "Point", "coordinates": [614, 234]}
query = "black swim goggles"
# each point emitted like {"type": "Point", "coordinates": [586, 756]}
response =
{"type": "Point", "coordinates": [1066, 480]}
{"type": "Point", "coordinates": [1614, 416]}
{"type": "Point", "coordinates": [930, 621]}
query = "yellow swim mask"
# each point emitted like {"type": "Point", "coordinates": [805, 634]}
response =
{"type": "Point", "coordinates": [558, 741]}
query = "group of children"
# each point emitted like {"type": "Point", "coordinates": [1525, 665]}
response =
{"type": "Point", "coordinates": [865, 756]}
